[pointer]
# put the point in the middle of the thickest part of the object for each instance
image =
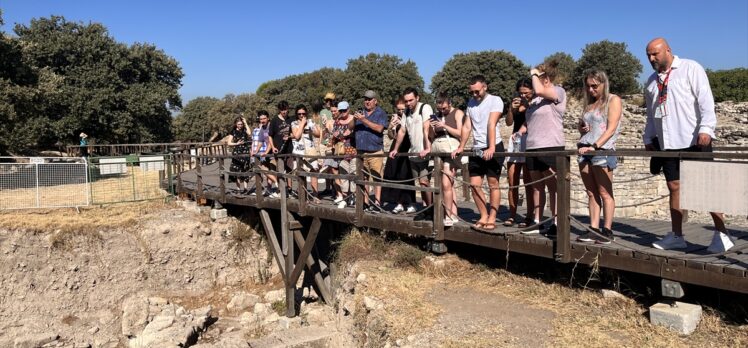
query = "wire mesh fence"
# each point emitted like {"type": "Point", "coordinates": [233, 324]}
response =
{"type": "Point", "coordinates": [46, 182]}
{"type": "Point", "coordinates": [129, 178]}
{"type": "Point", "coordinates": [43, 182]}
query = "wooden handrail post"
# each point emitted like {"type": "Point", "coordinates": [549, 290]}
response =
{"type": "Point", "coordinates": [179, 172]}
{"type": "Point", "coordinates": [259, 188]}
{"type": "Point", "coordinates": [281, 168]}
{"type": "Point", "coordinates": [301, 185]}
{"type": "Point", "coordinates": [222, 179]}
{"type": "Point", "coordinates": [465, 181]}
{"type": "Point", "coordinates": [438, 233]}
{"type": "Point", "coordinates": [360, 190]}
{"type": "Point", "coordinates": [563, 196]}
{"type": "Point", "coordinates": [199, 189]}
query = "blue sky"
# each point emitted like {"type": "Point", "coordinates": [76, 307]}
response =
{"type": "Point", "coordinates": [233, 46]}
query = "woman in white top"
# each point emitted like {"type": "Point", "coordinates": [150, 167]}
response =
{"type": "Point", "coordinates": [599, 128]}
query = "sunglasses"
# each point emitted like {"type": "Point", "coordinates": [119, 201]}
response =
{"type": "Point", "coordinates": [475, 92]}
{"type": "Point", "coordinates": [301, 113]}
{"type": "Point", "coordinates": [343, 110]}
{"type": "Point", "coordinates": [367, 99]}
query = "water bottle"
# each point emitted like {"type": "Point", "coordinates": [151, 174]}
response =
{"type": "Point", "coordinates": [517, 139]}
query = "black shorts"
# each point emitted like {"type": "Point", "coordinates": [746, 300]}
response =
{"type": "Point", "coordinates": [671, 165]}
{"type": "Point", "coordinates": [477, 166]}
{"type": "Point", "coordinates": [542, 163]}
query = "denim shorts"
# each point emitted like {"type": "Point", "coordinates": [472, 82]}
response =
{"type": "Point", "coordinates": [599, 161]}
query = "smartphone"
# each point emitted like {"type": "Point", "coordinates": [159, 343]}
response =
{"type": "Point", "coordinates": [435, 117]}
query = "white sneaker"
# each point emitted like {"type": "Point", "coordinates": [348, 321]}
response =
{"type": "Point", "coordinates": [721, 242]}
{"type": "Point", "coordinates": [274, 195]}
{"type": "Point", "coordinates": [448, 221]}
{"type": "Point", "coordinates": [411, 209]}
{"type": "Point", "coordinates": [342, 204]}
{"type": "Point", "coordinates": [398, 209]}
{"type": "Point", "coordinates": [670, 241]}
{"type": "Point", "coordinates": [338, 199]}
{"type": "Point", "coordinates": [535, 230]}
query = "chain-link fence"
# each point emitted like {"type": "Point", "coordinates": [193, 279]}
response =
{"type": "Point", "coordinates": [129, 178]}
{"type": "Point", "coordinates": [43, 182]}
{"type": "Point", "coordinates": [54, 182]}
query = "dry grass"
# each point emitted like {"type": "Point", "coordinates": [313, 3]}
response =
{"type": "Point", "coordinates": [67, 220]}
{"type": "Point", "coordinates": [583, 317]}
{"type": "Point", "coordinates": [136, 185]}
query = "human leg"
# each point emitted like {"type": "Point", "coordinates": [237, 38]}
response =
{"type": "Point", "coordinates": [593, 195]}
{"type": "Point", "coordinates": [513, 174]}
{"type": "Point", "coordinates": [604, 181]}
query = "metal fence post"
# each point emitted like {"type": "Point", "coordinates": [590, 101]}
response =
{"type": "Point", "coordinates": [36, 175]}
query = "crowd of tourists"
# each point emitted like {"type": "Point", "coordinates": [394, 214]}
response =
{"type": "Point", "coordinates": [680, 117]}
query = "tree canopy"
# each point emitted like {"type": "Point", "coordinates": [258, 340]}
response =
{"type": "Point", "coordinates": [500, 68]}
{"type": "Point", "coordinates": [619, 64]}
{"type": "Point", "coordinates": [61, 78]}
{"type": "Point", "coordinates": [729, 84]}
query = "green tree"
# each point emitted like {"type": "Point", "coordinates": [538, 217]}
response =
{"type": "Point", "coordinates": [566, 66]}
{"type": "Point", "coordinates": [385, 74]}
{"type": "Point", "coordinates": [306, 88]}
{"type": "Point", "coordinates": [500, 68]}
{"type": "Point", "coordinates": [81, 79]}
{"type": "Point", "coordinates": [614, 58]}
{"type": "Point", "coordinates": [729, 84]}
{"type": "Point", "coordinates": [191, 124]}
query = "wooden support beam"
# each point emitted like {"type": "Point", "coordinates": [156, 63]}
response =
{"type": "Point", "coordinates": [322, 282]}
{"type": "Point", "coordinates": [563, 209]}
{"type": "Point", "coordinates": [267, 225]}
{"type": "Point", "coordinates": [360, 191]}
{"type": "Point", "coordinates": [222, 179]}
{"type": "Point", "coordinates": [301, 186]}
{"type": "Point", "coordinates": [305, 249]}
{"type": "Point", "coordinates": [438, 234]}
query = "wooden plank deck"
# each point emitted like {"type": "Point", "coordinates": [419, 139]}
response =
{"type": "Point", "coordinates": [631, 251]}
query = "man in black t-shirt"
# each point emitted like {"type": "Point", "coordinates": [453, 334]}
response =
{"type": "Point", "coordinates": [279, 132]}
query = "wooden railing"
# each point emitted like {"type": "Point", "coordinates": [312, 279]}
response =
{"type": "Point", "coordinates": [563, 177]}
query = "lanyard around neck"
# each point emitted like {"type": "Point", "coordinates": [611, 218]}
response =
{"type": "Point", "coordinates": [662, 87]}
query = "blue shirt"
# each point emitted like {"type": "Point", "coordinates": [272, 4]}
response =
{"type": "Point", "coordinates": [366, 138]}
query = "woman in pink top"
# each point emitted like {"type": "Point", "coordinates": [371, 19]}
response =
{"type": "Point", "coordinates": [545, 132]}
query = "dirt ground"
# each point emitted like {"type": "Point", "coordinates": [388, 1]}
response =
{"type": "Point", "coordinates": [67, 278]}
{"type": "Point", "coordinates": [67, 274]}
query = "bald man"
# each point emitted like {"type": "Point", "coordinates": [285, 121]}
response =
{"type": "Point", "coordinates": [680, 117]}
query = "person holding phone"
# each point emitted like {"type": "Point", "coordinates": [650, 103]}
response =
{"type": "Point", "coordinates": [444, 137]}
{"type": "Point", "coordinates": [516, 166]}
{"type": "Point", "coordinates": [398, 168]}
{"type": "Point", "coordinates": [416, 116]}
{"type": "Point", "coordinates": [369, 131]}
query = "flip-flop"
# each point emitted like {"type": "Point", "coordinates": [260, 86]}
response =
{"type": "Point", "coordinates": [489, 226]}
{"type": "Point", "coordinates": [509, 222]}
{"type": "Point", "coordinates": [478, 226]}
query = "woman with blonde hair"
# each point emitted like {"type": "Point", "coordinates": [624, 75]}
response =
{"type": "Point", "coordinates": [599, 126]}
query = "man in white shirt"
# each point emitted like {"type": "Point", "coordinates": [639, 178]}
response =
{"type": "Point", "coordinates": [484, 111]}
{"type": "Point", "coordinates": [680, 117]}
{"type": "Point", "coordinates": [416, 115]}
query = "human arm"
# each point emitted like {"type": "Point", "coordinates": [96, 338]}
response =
{"type": "Point", "coordinates": [374, 126]}
{"type": "Point", "coordinates": [541, 90]}
{"type": "Point", "coordinates": [649, 129]}
{"type": "Point", "coordinates": [426, 143]}
{"type": "Point", "coordinates": [467, 127]}
{"type": "Point", "coordinates": [703, 93]}
{"type": "Point", "coordinates": [614, 117]}
{"type": "Point", "coordinates": [398, 141]}
{"type": "Point", "coordinates": [493, 119]}
{"type": "Point", "coordinates": [297, 128]}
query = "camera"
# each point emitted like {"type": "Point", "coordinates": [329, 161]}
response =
{"type": "Point", "coordinates": [360, 110]}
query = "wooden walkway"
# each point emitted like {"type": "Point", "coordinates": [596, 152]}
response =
{"type": "Point", "coordinates": [631, 251]}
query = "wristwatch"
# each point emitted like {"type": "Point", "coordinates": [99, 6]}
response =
{"type": "Point", "coordinates": [594, 146]}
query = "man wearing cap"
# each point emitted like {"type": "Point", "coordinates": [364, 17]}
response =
{"type": "Point", "coordinates": [369, 130]}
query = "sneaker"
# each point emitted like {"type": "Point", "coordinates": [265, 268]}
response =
{"type": "Point", "coordinates": [670, 241]}
{"type": "Point", "coordinates": [342, 204]}
{"type": "Point", "coordinates": [534, 230]}
{"type": "Point", "coordinates": [410, 210]}
{"type": "Point", "coordinates": [351, 200]}
{"type": "Point", "coordinates": [721, 242]}
{"type": "Point", "coordinates": [589, 236]}
{"type": "Point", "coordinates": [274, 194]}
{"type": "Point", "coordinates": [448, 221]}
{"type": "Point", "coordinates": [605, 237]}
{"type": "Point", "coordinates": [550, 231]}
{"type": "Point", "coordinates": [398, 209]}
{"type": "Point", "coordinates": [374, 208]}
{"type": "Point", "coordinates": [338, 199]}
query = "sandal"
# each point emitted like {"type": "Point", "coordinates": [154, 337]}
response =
{"type": "Point", "coordinates": [509, 222]}
{"type": "Point", "coordinates": [489, 226]}
{"type": "Point", "coordinates": [478, 226]}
